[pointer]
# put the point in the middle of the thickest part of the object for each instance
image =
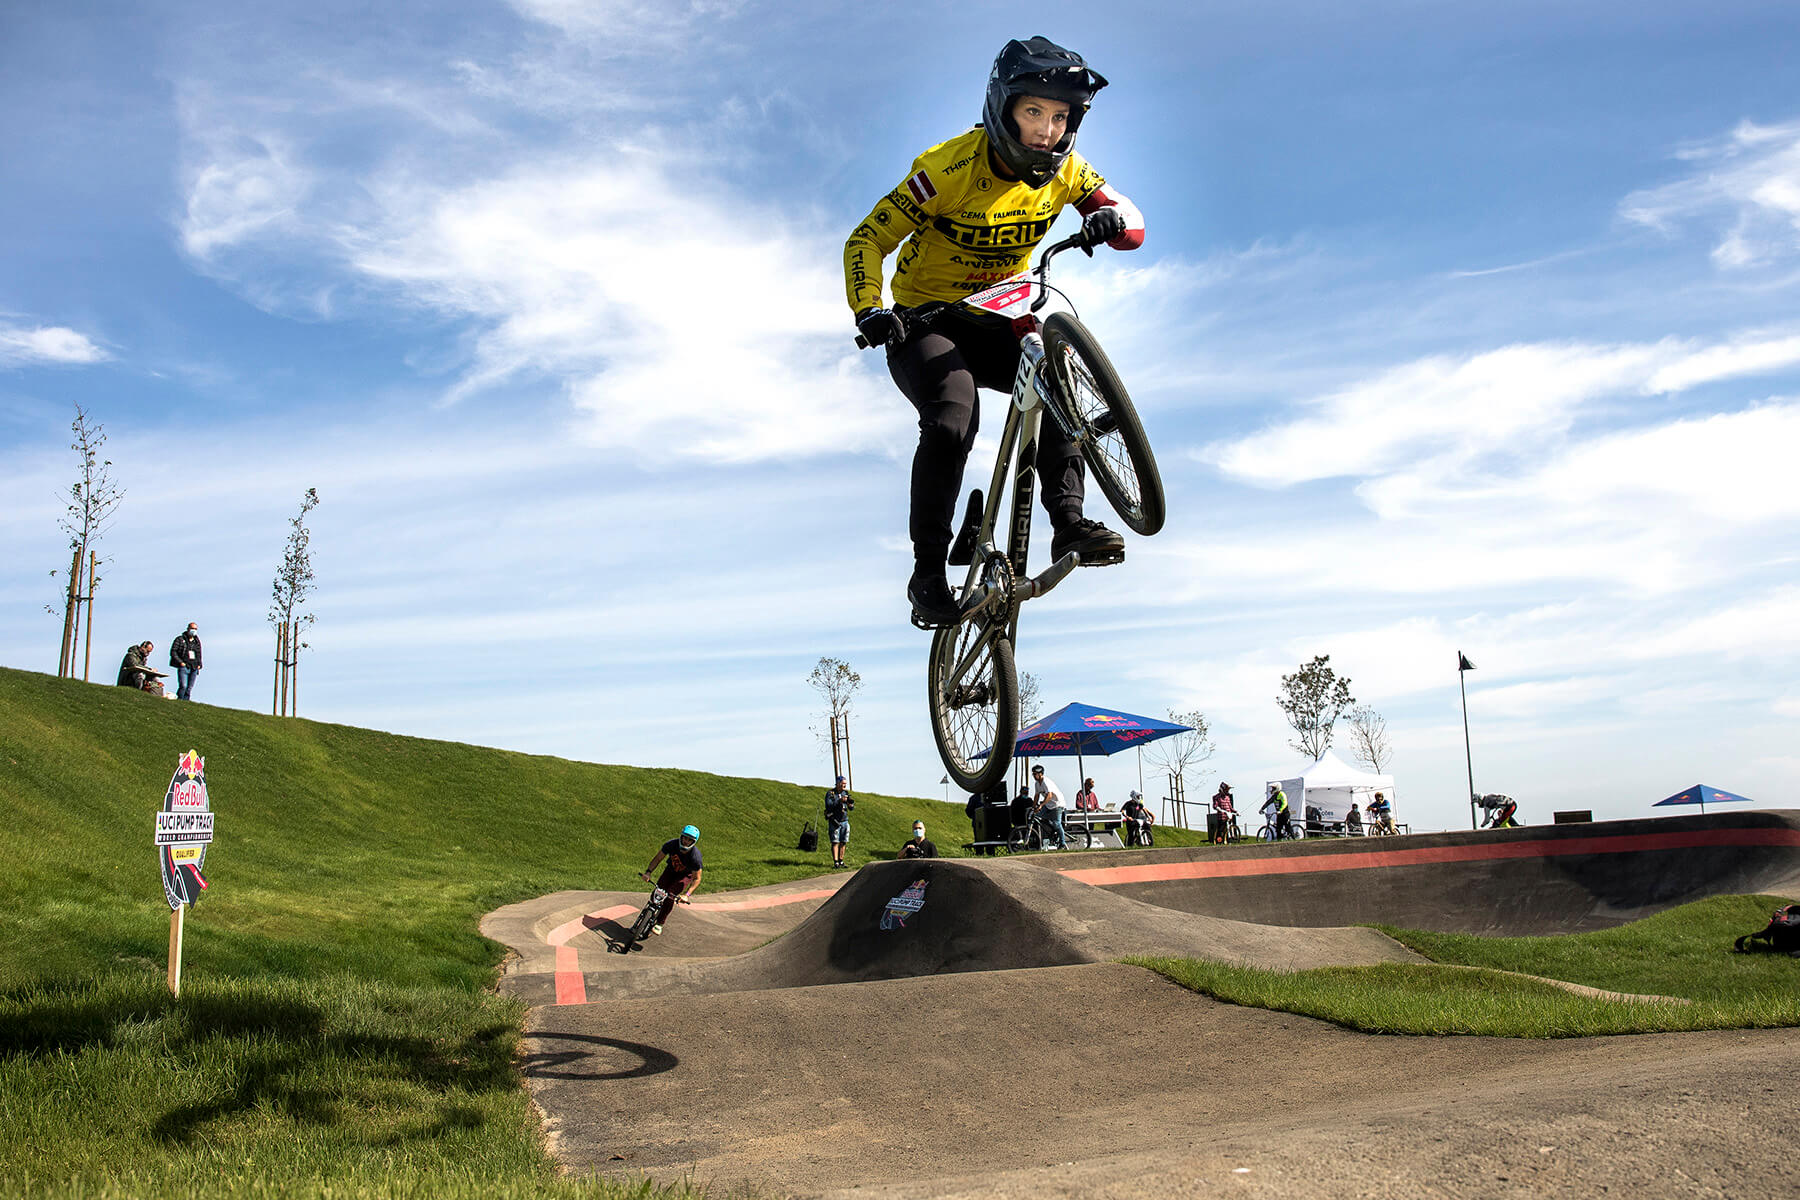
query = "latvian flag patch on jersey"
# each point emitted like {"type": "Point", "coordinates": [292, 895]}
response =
{"type": "Point", "coordinates": [920, 187]}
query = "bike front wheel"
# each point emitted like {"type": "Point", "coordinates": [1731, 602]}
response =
{"type": "Point", "coordinates": [973, 693]}
{"type": "Point", "coordinates": [1099, 417]}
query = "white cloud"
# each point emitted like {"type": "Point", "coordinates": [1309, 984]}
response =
{"type": "Point", "coordinates": [681, 323]}
{"type": "Point", "coordinates": [47, 345]}
{"type": "Point", "coordinates": [1453, 410]}
{"type": "Point", "coordinates": [1746, 187]}
{"type": "Point", "coordinates": [246, 185]}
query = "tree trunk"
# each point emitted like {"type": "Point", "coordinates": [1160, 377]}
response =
{"type": "Point", "coordinates": [65, 662]}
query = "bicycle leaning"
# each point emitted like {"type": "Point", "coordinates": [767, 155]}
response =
{"type": "Point", "coordinates": [971, 675]}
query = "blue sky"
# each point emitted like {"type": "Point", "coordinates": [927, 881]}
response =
{"type": "Point", "coordinates": [1458, 326]}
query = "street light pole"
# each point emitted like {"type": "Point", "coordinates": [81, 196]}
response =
{"type": "Point", "coordinates": [1462, 665]}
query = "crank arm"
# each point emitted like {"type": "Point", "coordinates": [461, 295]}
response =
{"type": "Point", "coordinates": [1055, 573]}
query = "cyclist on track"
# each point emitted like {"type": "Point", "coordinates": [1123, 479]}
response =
{"type": "Point", "coordinates": [971, 212]}
{"type": "Point", "coordinates": [682, 874]}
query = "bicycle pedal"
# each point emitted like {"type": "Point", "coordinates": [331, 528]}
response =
{"type": "Point", "coordinates": [1107, 559]}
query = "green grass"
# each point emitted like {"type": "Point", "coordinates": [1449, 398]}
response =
{"type": "Point", "coordinates": [337, 1032]}
{"type": "Point", "coordinates": [1684, 952]}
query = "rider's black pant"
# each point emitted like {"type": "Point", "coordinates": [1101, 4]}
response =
{"type": "Point", "coordinates": [938, 369]}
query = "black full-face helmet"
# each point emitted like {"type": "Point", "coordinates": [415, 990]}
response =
{"type": "Point", "coordinates": [1038, 67]}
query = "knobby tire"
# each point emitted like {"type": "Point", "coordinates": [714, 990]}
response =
{"type": "Point", "coordinates": [1098, 413]}
{"type": "Point", "coordinates": [976, 711]}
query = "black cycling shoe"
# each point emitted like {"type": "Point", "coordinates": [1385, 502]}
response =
{"type": "Point", "coordinates": [1097, 545]}
{"type": "Point", "coordinates": [932, 604]}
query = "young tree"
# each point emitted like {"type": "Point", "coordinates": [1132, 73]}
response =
{"type": "Point", "coordinates": [836, 684]}
{"type": "Point", "coordinates": [1031, 695]}
{"type": "Point", "coordinates": [1177, 752]}
{"type": "Point", "coordinates": [93, 501]}
{"type": "Point", "coordinates": [1368, 737]}
{"type": "Point", "coordinates": [293, 584]}
{"type": "Point", "coordinates": [1312, 699]}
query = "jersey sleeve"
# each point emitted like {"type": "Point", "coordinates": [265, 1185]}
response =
{"type": "Point", "coordinates": [894, 218]}
{"type": "Point", "coordinates": [1105, 195]}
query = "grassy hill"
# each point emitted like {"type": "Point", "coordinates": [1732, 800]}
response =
{"type": "Point", "coordinates": [342, 850]}
{"type": "Point", "coordinates": [337, 1031]}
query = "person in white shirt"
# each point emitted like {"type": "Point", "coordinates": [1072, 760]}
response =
{"type": "Point", "coordinates": [1050, 808]}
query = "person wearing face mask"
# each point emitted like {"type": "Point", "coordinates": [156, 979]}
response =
{"type": "Point", "coordinates": [920, 846]}
{"type": "Point", "coordinates": [184, 656]}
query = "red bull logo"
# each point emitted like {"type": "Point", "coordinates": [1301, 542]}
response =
{"type": "Point", "coordinates": [1109, 721]}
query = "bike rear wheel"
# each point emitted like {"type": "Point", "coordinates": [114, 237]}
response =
{"type": "Point", "coordinates": [1098, 415]}
{"type": "Point", "coordinates": [973, 693]}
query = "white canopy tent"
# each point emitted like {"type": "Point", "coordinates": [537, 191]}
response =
{"type": "Point", "coordinates": [1331, 785]}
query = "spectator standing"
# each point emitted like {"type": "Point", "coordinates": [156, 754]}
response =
{"type": "Point", "coordinates": [1353, 823]}
{"type": "Point", "coordinates": [184, 656]}
{"type": "Point", "coordinates": [920, 846]}
{"type": "Point", "coordinates": [838, 805]}
{"type": "Point", "coordinates": [1021, 807]}
{"type": "Point", "coordinates": [134, 668]}
{"type": "Point", "coordinates": [1087, 800]}
{"type": "Point", "coordinates": [1050, 807]}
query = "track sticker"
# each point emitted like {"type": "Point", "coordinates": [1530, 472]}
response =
{"type": "Point", "coordinates": [904, 905]}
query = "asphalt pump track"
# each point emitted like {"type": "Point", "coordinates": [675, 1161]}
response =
{"type": "Point", "coordinates": [963, 1027]}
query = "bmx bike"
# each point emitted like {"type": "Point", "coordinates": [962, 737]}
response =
{"type": "Point", "coordinates": [972, 682]}
{"type": "Point", "coordinates": [1228, 830]}
{"type": "Point", "coordinates": [1268, 833]}
{"type": "Point", "coordinates": [646, 920]}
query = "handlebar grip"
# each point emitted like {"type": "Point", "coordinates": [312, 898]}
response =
{"type": "Point", "coordinates": [862, 343]}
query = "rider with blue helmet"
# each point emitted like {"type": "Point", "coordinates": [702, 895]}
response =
{"type": "Point", "coordinates": [682, 873]}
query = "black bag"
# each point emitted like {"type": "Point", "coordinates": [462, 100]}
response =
{"type": "Point", "coordinates": [1782, 934]}
{"type": "Point", "coordinates": [809, 838]}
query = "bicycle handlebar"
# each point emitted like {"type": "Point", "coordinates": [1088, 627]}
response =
{"type": "Point", "coordinates": [1075, 241]}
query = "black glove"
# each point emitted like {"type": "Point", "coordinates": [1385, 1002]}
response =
{"type": "Point", "coordinates": [1102, 225]}
{"type": "Point", "coordinates": [879, 326]}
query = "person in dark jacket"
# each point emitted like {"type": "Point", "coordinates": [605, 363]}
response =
{"type": "Point", "coordinates": [132, 668]}
{"type": "Point", "coordinates": [920, 846]}
{"type": "Point", "coordinates": [838, 806]}
{"type": "Point", "coordinates": [184, 656]}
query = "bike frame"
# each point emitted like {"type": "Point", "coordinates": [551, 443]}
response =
{"type": "Point", "coordinates": [1017, 456]}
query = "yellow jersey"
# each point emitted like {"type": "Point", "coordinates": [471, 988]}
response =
{"type": "Point", "coordinates": [964, 226]}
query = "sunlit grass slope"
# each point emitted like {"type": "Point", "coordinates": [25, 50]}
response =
{"type": "Point", "coordinates": [1684, 953]}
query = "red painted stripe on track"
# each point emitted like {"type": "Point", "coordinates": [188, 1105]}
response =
{"type": "Point", "coordinates": [768, 901]}
{"type": "Point", "coordinates": [1481, 852]}
{"type": "Point", "coordinates": [572, 989]}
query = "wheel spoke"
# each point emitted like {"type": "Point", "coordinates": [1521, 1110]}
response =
{"type": "Point", "coordinates": [1100, 429]}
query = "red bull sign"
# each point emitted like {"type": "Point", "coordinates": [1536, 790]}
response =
{"type": "Point", "coordinates": [184, 829]}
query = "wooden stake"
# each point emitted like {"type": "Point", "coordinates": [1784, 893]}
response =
{"type": "Point", "coordinates": [87, 659]}
{"type": "Point", "coordinates": [177, 920]}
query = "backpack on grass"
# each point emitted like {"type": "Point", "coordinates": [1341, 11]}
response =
{"type": "Point", "coordinates": [809, 838]}
{"type": "Point", "coordinates": [1782, 934]}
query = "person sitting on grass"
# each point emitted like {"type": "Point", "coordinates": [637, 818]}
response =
{"type": "Point", "coordinates": [920, 846]}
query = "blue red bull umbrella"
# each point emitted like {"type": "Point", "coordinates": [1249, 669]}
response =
{"type": "Point", "coordinates": [1077, 729]}
{"type": "Point", "coordinates": [1703, 795]}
